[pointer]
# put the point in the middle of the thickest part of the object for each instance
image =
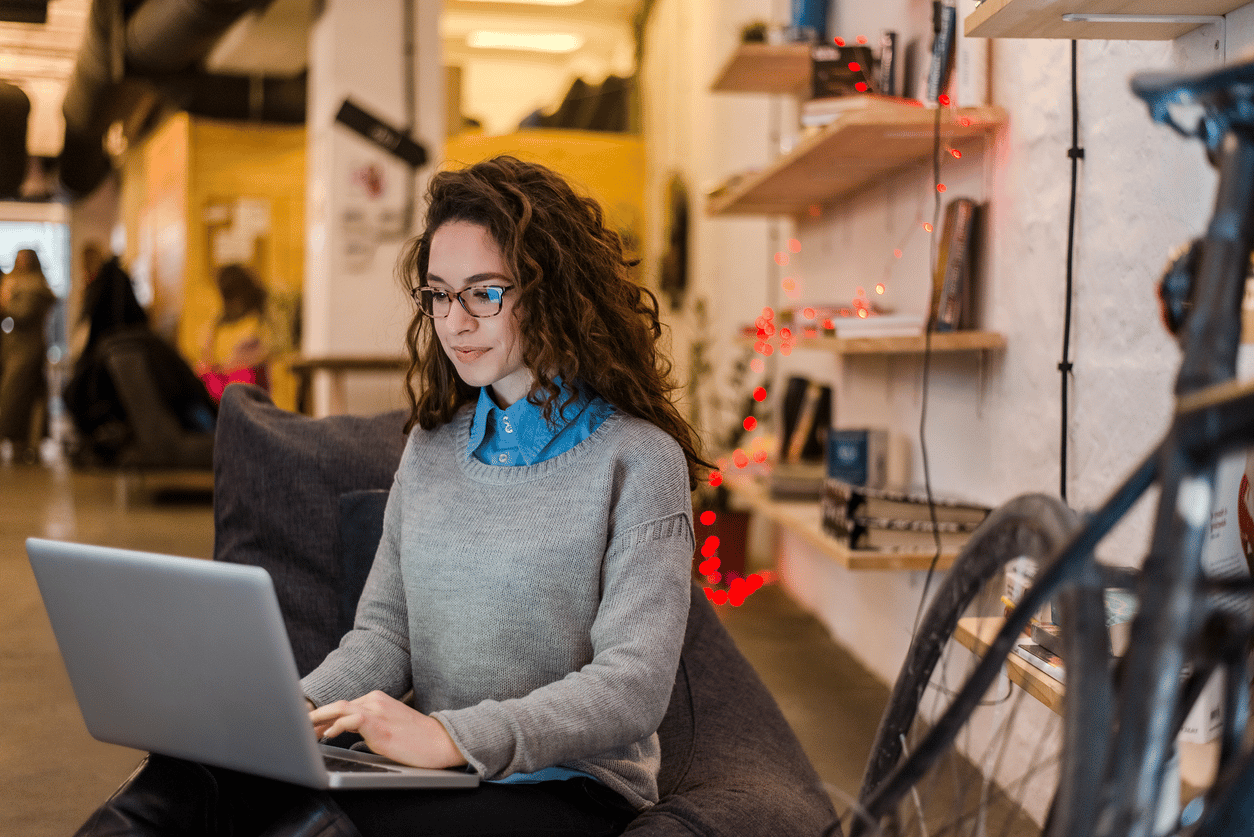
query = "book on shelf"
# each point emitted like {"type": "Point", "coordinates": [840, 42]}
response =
{"type": "Point", "coordinates": [892, 535]}
{"type": "Point", "coordinates": [879, 325]}
{"type": "Point", "coordinates": [858, 456]}
{"type": "Point", "coordinates": [797, 480]}
{"type": "Point", "coordinates": [807, 413]}
{"type": "Point", "coordinates": [886, 74]}
{"type": "Point", "coordinates": [952, 291]}
{"type": "Point", "coordinates": [801, 467]}
{"type": "Point", "coordinates": [827, 109]}
{"type": "Point", "coordinates": [1120, 609]}
{"type": "Point", "coordinates": [892, 502]}
{"type": "Point", "coordinates": [945, 27]}
{"type": "Point", "coordinates": [840, 70]}
{"type": "Point", "coordinates": [1040, 658]}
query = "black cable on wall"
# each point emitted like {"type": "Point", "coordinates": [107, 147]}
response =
{"type": "Point", "coordinates": [1076, 153]}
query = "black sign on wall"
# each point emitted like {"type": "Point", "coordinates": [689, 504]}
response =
{"type": "Point", "coordinates": [380, 133]}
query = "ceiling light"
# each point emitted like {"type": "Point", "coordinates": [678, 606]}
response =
{"type": "Point", "coordinates": [540, 42]}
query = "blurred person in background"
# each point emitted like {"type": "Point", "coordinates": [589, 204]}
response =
{"type": "Point", "coordinates": [237, 348]}
{"type": "Point", "coordinates": [25, 302]}
{"type": "Point", "coordinates": [110, 430]}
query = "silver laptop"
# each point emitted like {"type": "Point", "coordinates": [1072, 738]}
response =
{"type": "Point", "coordinates": [190, 658]}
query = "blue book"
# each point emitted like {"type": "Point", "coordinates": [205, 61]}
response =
{"type": "Point", "coordinates": [858, 456]}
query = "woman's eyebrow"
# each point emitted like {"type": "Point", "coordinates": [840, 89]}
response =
{"type": "Point", "coordinates": [469, 280]}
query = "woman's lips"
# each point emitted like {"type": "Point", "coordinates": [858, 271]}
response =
{"type": "Point", "coordinates": [469, 354]}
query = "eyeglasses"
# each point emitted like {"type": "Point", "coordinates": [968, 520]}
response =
{"type": "Point", "coordinates": [481, 301]}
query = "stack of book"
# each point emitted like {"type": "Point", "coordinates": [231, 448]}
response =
{"type": "Point", "coordinates": [896, 518]}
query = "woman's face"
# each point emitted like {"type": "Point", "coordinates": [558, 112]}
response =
{"type": "Point", "coordinates": [485, 351]}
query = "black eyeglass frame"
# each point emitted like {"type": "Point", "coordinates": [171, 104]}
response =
{"type": "Point", "coordinates": [417, 294]}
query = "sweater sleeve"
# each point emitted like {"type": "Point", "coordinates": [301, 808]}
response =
{"type": "Point", "coordinates": [620, 696]}
{"type": "Point", "coordinates": [375, 653]}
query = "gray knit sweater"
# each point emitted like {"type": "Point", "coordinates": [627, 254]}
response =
{"type": "Point", "coordinates": [537, 612]}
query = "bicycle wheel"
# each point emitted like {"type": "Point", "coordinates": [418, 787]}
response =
{"type": "Point", "coordinates": [1013, 736]}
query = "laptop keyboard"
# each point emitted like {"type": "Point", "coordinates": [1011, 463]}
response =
{"type": "Point", "coordinates": [335, 764]}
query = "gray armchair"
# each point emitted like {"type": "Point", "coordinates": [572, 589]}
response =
{"type": "Point", "coordinates": [304, 498]}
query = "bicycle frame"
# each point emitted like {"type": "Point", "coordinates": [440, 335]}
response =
{"type": "Point", "coordinates": [1213, 416]}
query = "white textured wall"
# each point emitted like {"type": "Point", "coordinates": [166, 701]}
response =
{"type": "Point", "coordinates": [353, 303]}
{"type": "Point", "coordinates": [994, 425]}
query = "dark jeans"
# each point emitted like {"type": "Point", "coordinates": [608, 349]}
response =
{"type": "Point", "coordinates": [544, 809]}
{"type": "Point", "coordinates": [173, 796]}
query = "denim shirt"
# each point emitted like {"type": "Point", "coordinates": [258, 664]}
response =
{"type": "Point", "coordinates": [519, 435]}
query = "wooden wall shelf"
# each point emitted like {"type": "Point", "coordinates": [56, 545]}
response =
{"type": "Point", "coordinates": [858, 148]}
{"type": "Point", "coordinates": [977, 633]}
{"type": "Point", "coordinates": [1043, 18]}
{"type": "Point", "coordinates": [942, 341]}
{"type": "Point", "coordinates": [805, 520]}
{"type": "Point", "coordinates": [765, 68]}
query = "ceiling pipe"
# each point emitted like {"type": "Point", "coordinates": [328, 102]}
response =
{"type": "Point", "coordinates": [125, 41]}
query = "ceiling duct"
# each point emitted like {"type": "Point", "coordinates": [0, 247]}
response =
{"type": "Point", "coordinates": [159, 43]}
{"type": "Point", "coordinates": [14, 114]}
{"type": "Point", "coordinates": [24, 11]}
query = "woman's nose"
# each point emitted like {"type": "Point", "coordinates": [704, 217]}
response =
{"type": "Point", "coordinates": [459, 318]}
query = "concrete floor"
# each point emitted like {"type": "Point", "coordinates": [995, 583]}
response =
{"type": "Point", "coordinates": [53, 774]}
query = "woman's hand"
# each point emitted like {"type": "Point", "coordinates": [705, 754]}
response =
{"type": "Point", "coordinates": [391, 729]}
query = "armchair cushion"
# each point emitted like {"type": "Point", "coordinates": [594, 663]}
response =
{"type": "Point", "coordinates": [304, 498]}
{"type": "Point", "coordinates": [279, 485]}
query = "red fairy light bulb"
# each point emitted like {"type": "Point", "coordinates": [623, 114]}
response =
{"type": "Point", "coordinates": [709, 547]}
{"type": "Point", "coordinates": [860, 87]}
{"type": "Point", "coordinates": [965, 121]}
{"type": "Point", "coordinates": [759, 457]}
{"type": "Point", "coordinates": [740, 458]}
{"type": "Point", "coordinates": [794, 245]}
{"type": "Point", "coordinates": [757, 364]}
{"type": "Point", "coordinates": [955, 153]}
{"type": "Point", "coordinates": [940, 187]}
{"type": "Point", "coordinates": [709, 565]}
{"type": "Point", "coordinates": [879, 289]}
{"type": "Point", "coordinates": [863, 313]}
{"type": "Point", "coordinates": [855, 67]}
{"type": "Point", "coordinates": [759, 394]}
{"type": "Point", "coordinates": [943, 100]}
{"type": "Point", "coordinates": [862, 39]}
{"type": "Point", "coordinates": [750, 424]}
{"type": "Point", "coordinates": [708, 517]}
{"type": "Point", "coordinates": [808, 313]}
{"type": "Point", "coordinates": [897, 253]}
{"type": "Point", "coordinates": [789, 284]}
{"type": "Point", "coordinates": [781, 258]}
{"type": "Point", "coordinates": [927, 227]}
{"type": "Point", "coordinates": [716, 479]}
{"type": "Point", "coordinates": [838, 41]}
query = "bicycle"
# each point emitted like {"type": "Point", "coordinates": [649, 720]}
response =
{"type": "Point", "coordinates": [1106, 761]}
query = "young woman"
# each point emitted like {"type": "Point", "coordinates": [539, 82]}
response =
{"type": "Point", "coordinates": [527, 603]}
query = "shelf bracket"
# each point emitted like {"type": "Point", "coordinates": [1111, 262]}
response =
{"type": "Point", "coordinates": [1080, 17]}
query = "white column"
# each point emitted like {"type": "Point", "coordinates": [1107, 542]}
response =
{"type": "Point", "coordinates": [362, 203]}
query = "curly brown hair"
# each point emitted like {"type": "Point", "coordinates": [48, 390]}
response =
{"type": "Point", "coordinates": [582, 316]}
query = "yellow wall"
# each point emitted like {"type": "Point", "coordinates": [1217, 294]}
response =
{"type": "Point", "coordinates": [200, 193]}
{"type": "Point", "coordinates": [610, 167]}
